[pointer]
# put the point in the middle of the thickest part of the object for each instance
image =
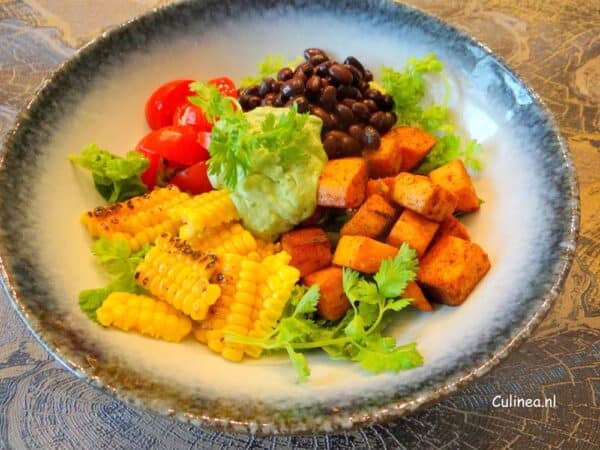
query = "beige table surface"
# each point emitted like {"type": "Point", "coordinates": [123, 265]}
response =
{"type": "Point", "coordinates": [555, 46]}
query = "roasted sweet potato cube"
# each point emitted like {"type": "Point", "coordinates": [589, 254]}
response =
{"type": "Point", "coordinates": [362, 253]}
{"type": "Point", "coordinates": [372, 219]}
{"type": "Point", "coordinates": [333, 303]}
{"type": "Point", "coordinates": [386, 160]}
{"type": "Point", "coordinates": [309, 249]}
{"type": "Point", "coordinates": [454, 178]}
{"type": "Point", "coordinates": [419, 194]}
{"type": "Point", "coordinates": [451, 226]}
{"type": "Point", "coordinates": [419, 300]}
{"type": "Point", "coordinates": [414, 229]}
{"type": "Point", "coordinates": [381, 186]}
{"type": "Point", "coordinates": [414, 144]}
{"type": "Point", "coordinates": [343, 183]}
{"type": "Point", "coordinates": [451, 269]}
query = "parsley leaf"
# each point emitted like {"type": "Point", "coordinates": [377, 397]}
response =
{"type": "Point", "coordinates": [119, 261]}
{"type": "Point", "coordinates": [269, 67]}
{"type": "Point", "coordinates": [115, 178]}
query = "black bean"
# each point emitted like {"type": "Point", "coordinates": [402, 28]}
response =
{"type": "Point", "coordinates": [382, 121]}
{"type": "Point", "coordinates": [345, 115]}
{"type": "Point", "coordinates": [328, 123]}
{"type": "Point", "coordinates": [328, 98]}
{"type": "Point", "coordinates": [350, 146]}
{"type": "Point", "coordinates": [333, 143]}
{"type": "Point", "coordinates": [357, 76]}
{"type": "Point", "coordinates": [314, 51]}
{"type": "Point", "coordinates": [301, 102]}
{"type": "Point", "coordinates": [300, 76]}
{"type": "Point", "coordinates": [361, 111]}
{"type": "Point", "coordinates": [368, 75]}
{"type": "Point", "coordinates": [254, 101]}
{"type": "Point", "coordinates": [325, 81]}
{"type": "Point", "coordinates": [265, 87]}
{"type": "Point", "coordinates": [346, 91]}
{"type": "Point", "coordinates": [370, 138]}
{"type": "Point", "coordinates": [363, 86]}
{"type": "Point", "coordinates": [351, 60]}
{"type": "Point", "coordinates": [315, 60]}
{"type": "Point", "coordinates": [285, 74]}
{"type": "Point", "coordinates": [386, 103]}
{"type": "Point", "coordinates": [251, 90]}
{"type": "Point", "coordinates": [313, 86]}
{"type": "Point", "coordinates": [276, 87]}
{"type": "Point", "coordinates": [373, 94]}
{"type": "Point", "coordinates": [356, 131]}
{"type": "Point", "coordinates": [306, 68]}
{"type": "Point", "coordinates": [280, 100]}
{"type": "Point", "coordinates": [371, 105]}
{"type": "Point", "coordinates": [390, 121]}
{"type": "Point", "coordinates": [323, 68]}
{"type": "Point", "coordinates": [340, 73]}
{"type": "Point", "coordinates": [243, 99]}
{"type": "Point", "coordinates": [349, 102]}
{"type": "Point", "coordinates": [293, 87]}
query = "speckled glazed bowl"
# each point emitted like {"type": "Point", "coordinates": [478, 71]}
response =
{"type": "Point", "coordinates": [528, 223]}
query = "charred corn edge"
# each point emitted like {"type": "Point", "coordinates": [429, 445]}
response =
{"type": "Point", "coordinates": [160, 271]}
{"type": "Point", "coordinates": [145, 315]}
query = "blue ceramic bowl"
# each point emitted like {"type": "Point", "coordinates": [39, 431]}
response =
{"type": "Point", "coordinates": [528, 223]}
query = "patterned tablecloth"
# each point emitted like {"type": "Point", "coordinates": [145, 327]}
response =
{"type": "Point", "coordinates": [555, 45]}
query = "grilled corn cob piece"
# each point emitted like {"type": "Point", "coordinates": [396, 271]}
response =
{"type": "Point", "coordinates": [175, 273]}
{"type": "Point", "coordinates": [225, 239]}
{"type": "Point", "coordinates": [280, 281]}
{"type": "Point", "coordinates": [207, 210]}
{"type": "Point", "coordinates": [130, 312]}
{"type": "Point", "coordinates": [210, 330]}
{"type": "Point", "coordinates": [254, 294]}
{"type": "Point", "coordinates": [137, 221]}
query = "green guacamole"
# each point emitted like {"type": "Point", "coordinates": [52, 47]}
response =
{"type": "Point", "coordinates": [272, 200]}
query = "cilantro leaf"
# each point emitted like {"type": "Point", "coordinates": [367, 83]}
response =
{"type": "Point", "coordinates": [119, 261]}
{"type": "Point", "coordinates": [115, 178]}
{"type": "Point", "coordinates": [398, 305]}
{"type": "Point", "coordinates": [299, 362]}
{"type": "Point", "coordinates": [356, 328]}
{"type": "Point", "coordinates": [395, 273]}
{"type": "Point", "coordinates": [269, 67]}
{"type": "Point", "coordinates": [380, 355]}
{"type": "Point", "coordinates": [308, 302]}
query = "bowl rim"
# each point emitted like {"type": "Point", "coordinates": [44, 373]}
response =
{"type": "Point", "coordinates": [358, 417]}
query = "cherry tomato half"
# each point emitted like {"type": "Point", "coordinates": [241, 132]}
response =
{"type": "Point", "coordinates": [163, 102]}
{"type": "Point", "coordinates": [194, 179]}
{"type": "Point", "coordinates": [188, 114]}
{"type": "Point", "coordinates": [225, 86]}
{"type": "Point", "coordinates": [177, 143]}
{"type": "Point", "coordinates": [150, 175]}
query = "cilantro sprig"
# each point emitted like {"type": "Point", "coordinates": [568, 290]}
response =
{"type": "Point", "coordinates": [408, 90]}
{"type": "Point", "coordinates": [118, 260]}
{"type": "Point", "coordinates": [357, 336]}
{"type": "Point", "coordinates": [269, 67]}
{"type": "Point", "coordinates": [237, 148]}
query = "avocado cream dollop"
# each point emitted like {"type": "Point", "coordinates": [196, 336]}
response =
{"type": "Point", "coordinates": [272, 199]}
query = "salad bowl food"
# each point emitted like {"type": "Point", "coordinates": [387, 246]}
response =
{"type": "Point", "coordinates": [527, 221]}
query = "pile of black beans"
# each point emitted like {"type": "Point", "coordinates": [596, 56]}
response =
{"type": "Point", "coordinates": [354, 115]}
